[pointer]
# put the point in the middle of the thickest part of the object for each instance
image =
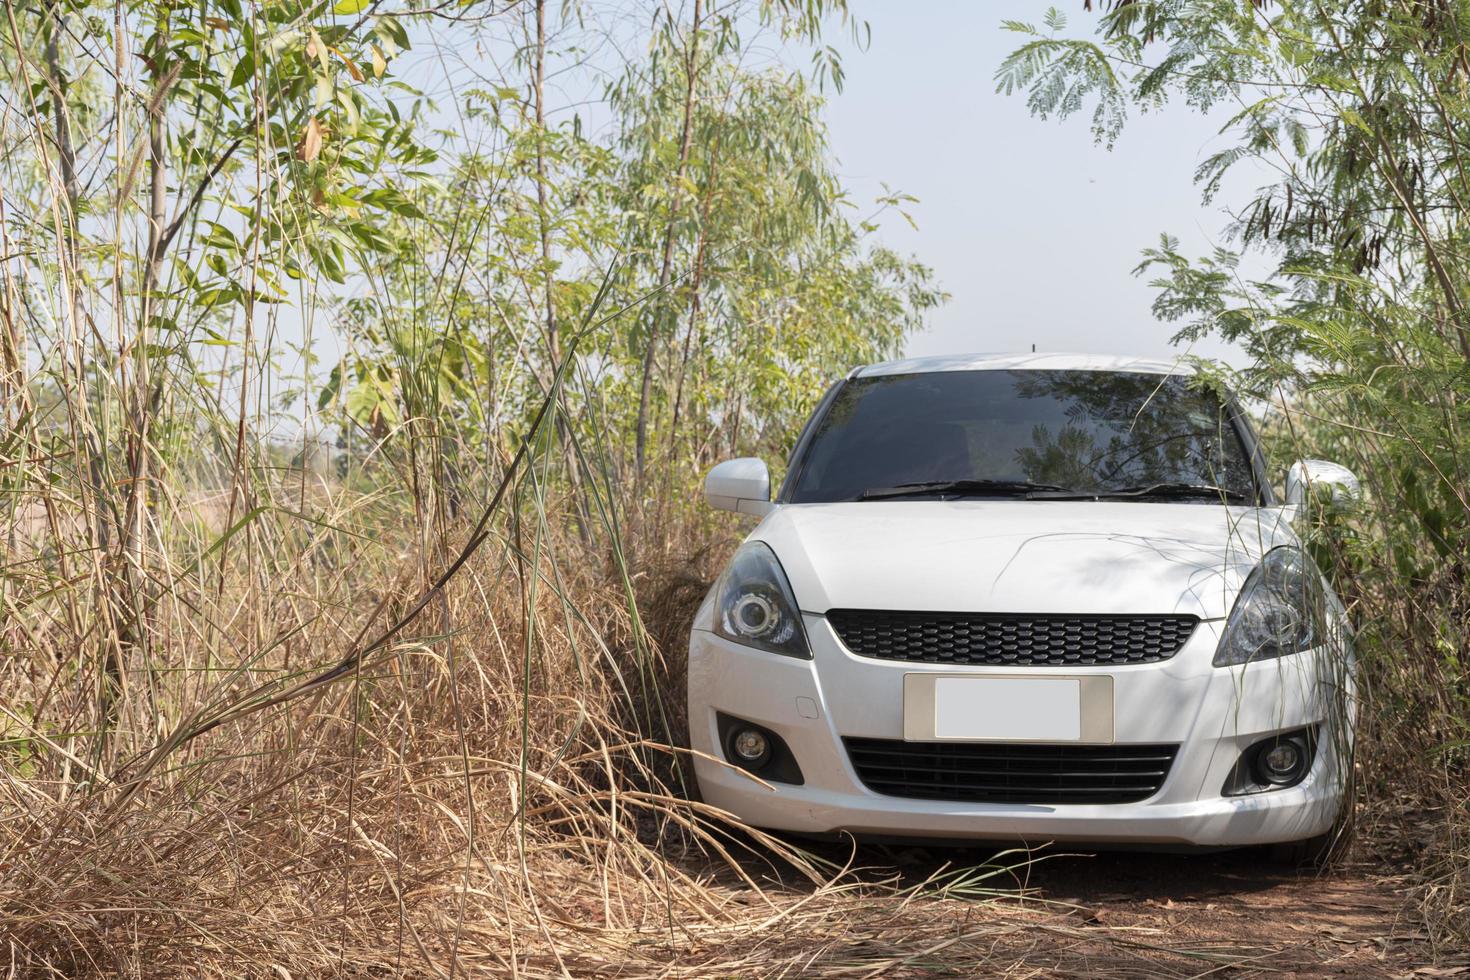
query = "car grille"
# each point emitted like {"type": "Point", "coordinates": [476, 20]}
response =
{"type": "Point", "coordinates": [974, 772]}
{"type": "Point", "coordinates": [1002, 640]}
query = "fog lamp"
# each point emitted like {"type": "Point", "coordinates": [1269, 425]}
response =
{"type": "Point", "coordinates": [1271, 763]}
{"type": "Point", "coordinates": [1280, 764]}
{"type": "Point", "coordinates": [751, 747]}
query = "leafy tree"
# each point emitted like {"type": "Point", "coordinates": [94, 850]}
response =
{"type": "Point", "coordinates": [1357, 112]}
{"type": "Point", "coordinates": [749, 285]}
{"type": "Point", "coordinates": [1361, 331]}
{"type": "Point", "coordinates": [780, 292]}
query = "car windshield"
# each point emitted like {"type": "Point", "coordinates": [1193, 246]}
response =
{"type": "Point", "coordinates": [1015, 433]}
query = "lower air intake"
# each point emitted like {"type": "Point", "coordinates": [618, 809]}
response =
{"type": "Point", "coordinates": [974, 772]}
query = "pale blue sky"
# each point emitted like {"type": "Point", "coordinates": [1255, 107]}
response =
{"type": "Point", "coordinates": [1032, 228]}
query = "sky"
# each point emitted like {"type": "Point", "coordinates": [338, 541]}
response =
{"type": "Point", "coordinates": [1032, 228]}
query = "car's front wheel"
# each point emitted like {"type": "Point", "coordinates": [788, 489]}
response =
{"type": "Point", "coordinates": [1316, 852]}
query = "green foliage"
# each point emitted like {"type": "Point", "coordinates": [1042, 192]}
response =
{"type": "Point", "coordinates": [749, 285]}
{"type": "Point", "coordinates": [297, 177]}
{"type": "Point", "coordinates": [225, 224]}
{"type": "Point", "coordinates": [337, 352]}
{"type": "Point", "coordinates": [1060, 74]}
{"type": "Point", "coordinates": [778, 294]}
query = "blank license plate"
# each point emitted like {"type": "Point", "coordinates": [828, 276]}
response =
{"type": "Point", "coordinates": [940, 707]}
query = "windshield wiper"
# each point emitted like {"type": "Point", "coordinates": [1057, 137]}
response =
{"type": "Point", "coordinates": [961, 487]}
{"type": "Point", "coordinates": [1200, 490]}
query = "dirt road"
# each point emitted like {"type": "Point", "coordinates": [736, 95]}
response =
{"type": "Point", "coordinates": [1350, 921]}
{"type": "Point", "coordinates": [1125, 914]}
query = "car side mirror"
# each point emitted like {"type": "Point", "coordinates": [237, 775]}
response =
{"type": "Point", "coordinates": [742, 485]}
{"type": "Point", "coordinates": [1309, 476]}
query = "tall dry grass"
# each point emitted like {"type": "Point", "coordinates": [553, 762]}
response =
{"type": "Point", "coordinates": [494, 791]}
{"type": "Point", "coordinates": [477, 789]}
{"type": "Point", "coordinates": [349, 725]}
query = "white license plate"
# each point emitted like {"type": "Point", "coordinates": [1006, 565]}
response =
{"type": "Point", "coordinates": [947, 707]}
{"type": "Point", "coordinates": [1024, 708]}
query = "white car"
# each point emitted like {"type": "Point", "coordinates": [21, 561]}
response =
{"type": "Point", "coordinates": [1025, 598]}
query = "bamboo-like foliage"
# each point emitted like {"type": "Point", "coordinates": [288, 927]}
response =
{"type": "Point", "coordinates": [335, 592]}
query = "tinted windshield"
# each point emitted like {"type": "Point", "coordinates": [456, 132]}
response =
{"type": "Point", "coordinates": [1084, 430]}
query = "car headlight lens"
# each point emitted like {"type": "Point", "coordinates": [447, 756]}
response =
{"type": "Point", "coordinates": [756, 606]}
{"type": "Point", "coordinates": [1281, 610]}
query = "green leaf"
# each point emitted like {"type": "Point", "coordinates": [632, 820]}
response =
{"type": "Point", "coordinates": [244, 70]}
{"type": "Point", "coordinates": [350, 6]}
{"type": "Point", "coordinates": [330, 389]}
{"type": "Point", "coordinates": [362, 398]}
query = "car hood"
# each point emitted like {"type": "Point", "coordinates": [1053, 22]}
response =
{"type": "Point", "coordinates": [1081, 557]}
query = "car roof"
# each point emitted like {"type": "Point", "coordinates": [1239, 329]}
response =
{"type": "Point", "coordinates": [1024, 362]}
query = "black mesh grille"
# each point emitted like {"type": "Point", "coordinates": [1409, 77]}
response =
{"type": "Point", "coordinates": [1031, 641]}
{"type": "Point", "coordinates": [976, 772]}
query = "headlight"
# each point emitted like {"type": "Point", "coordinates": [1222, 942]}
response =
{"type": "Point", "coordinates": [1281, 610]}
{"type": "Point", "coordinates": [756, 606]}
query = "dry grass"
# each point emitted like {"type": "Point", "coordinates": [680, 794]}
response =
{"type": "Point", "coordinates": [491, 793]}
{"type": "Point", "coordinates": [495, 789]}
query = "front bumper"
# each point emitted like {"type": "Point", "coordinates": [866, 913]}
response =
{"type": "Point", "coordinates": [1212, 714]}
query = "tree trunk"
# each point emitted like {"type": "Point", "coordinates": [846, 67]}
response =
{"type": "Point", "coordinates": [66, 155]}
{"type": "Point", "coordinates": [700, 251]}
{"type": "Point", "coordinates": [126, 590]}
{"type": "Point", "coordinates": [553, 340]}
{"type": "Point", "coordinates": [553, 343]}
{"type": "Point", "coordinates": [666, 268]}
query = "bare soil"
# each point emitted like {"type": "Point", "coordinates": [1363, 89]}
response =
{"type": "Point", "coordinates": [1348, 921]}
{"type": "Point", "coordinates": [1075, 913]}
